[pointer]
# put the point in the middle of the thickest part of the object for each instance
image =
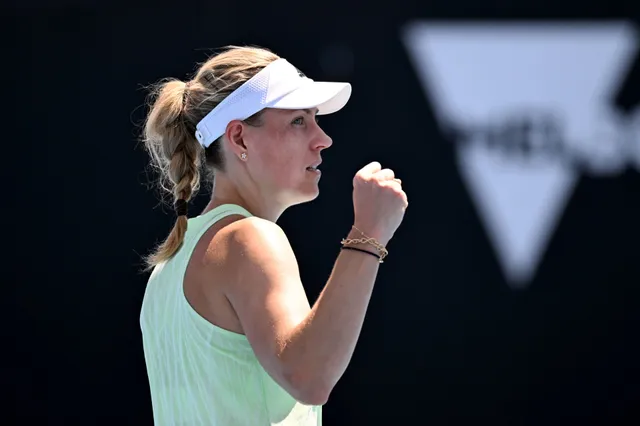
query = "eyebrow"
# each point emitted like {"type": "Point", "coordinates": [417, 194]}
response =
{"type": "Point", "coordinates": [310, 111]}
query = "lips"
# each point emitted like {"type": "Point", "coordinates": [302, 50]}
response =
{"type": "Point", "coordinates": [314, 166]}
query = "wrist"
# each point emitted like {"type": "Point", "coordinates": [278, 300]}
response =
{"type": "Point", "coordinates": [370, 251]}
{"type": "Point", "coordinates": [360, 240]}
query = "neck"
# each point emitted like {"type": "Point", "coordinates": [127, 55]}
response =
{"type": "Point", "coordinates": [246, 195]}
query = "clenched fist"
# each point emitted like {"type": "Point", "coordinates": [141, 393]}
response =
{"type": "Point", "coordinates": [379, 202]}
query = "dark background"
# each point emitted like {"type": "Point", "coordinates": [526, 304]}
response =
{"type": "Point", "coordinates": [446, 341]}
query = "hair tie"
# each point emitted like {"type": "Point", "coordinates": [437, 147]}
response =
{"type": "Point", "coordinates": [181, 207]}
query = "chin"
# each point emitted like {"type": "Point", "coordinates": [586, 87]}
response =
{"type": "Point", "coordinates": [305, 196]}
{"type": "Point", "coordinates": [314, 196]}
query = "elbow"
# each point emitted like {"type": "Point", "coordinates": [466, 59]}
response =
{"type": "Point", "coordinates": [309, 389]}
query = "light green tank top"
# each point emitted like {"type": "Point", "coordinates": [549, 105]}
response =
{"type": "Point", "coordinates": [201, 374]}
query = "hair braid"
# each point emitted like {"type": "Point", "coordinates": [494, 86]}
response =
{"type": "Point", "coordinates": [179, 159]}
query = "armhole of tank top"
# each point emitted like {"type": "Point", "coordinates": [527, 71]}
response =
{"type": "Point", "coordinates": [223, 212]}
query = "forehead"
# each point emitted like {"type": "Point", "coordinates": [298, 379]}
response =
{"type": "Point", "coordinates": [275, 113]}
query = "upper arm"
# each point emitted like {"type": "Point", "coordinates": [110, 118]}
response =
{"type": "Point", "coordinates": [266, 292]}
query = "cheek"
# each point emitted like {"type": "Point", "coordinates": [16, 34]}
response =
{"type": "Point", "coordinates": [278, 164]}
{"type": "Point", "coordinates": [281, 150]}
{"type": "Point", "coordinates": [282, 157]}
{"type": "Point", "coordinates": [276, 158]}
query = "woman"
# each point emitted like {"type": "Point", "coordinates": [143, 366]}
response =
{"type": "Point", "coordinates": [229, 336]}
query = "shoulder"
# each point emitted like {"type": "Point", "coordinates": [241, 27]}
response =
{"type": "Point", "coordinates": [263, 280]}
{"type": "Point", "coordinates": [253, 231]}
{"type": "Point", "coordinates": [255, 242]}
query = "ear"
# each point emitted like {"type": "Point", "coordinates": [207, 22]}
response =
{"type": "Point", "coordinates": [235, 135]}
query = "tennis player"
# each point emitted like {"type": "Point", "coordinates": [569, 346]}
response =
{"type": "Point", "coordinates": [229, 335]}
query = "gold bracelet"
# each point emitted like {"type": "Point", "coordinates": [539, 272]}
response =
{"type": "Point", "coordinates": [367, 240]}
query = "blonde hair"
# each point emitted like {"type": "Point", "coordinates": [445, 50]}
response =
{"type": "Point", "coordinates": [175, 107]}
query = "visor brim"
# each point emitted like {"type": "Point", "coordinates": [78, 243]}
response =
{"type": "Point", "coordinates": [328, 97]}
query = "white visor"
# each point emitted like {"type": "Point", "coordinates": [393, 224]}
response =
{"type": "Point", "coordinates": [278, 85]}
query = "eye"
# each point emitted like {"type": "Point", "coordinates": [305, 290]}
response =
{"type": "Point", "coordinates": [299, 121]}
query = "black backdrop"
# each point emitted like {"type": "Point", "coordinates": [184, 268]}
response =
{"type": "Point", "coordinates": [446, 340]}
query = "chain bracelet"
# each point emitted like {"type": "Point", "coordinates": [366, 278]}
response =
{"type": "Point", "coordinates": [367, 240]}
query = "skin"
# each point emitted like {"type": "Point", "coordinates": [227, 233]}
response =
{"type": "Point", "coordinates": [243, 275]}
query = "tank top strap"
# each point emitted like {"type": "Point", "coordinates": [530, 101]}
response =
{"type": "Point", "coordinates": [200, 224]}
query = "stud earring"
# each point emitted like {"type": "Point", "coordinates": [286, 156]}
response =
{"type": "Point", "coordinates": [243, 156]}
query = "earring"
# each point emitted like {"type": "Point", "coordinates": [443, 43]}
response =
{"type": "Point", "coordinates": [243, 156]}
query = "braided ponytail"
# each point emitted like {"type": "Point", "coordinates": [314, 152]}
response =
{"type": "Point", "coordinates": [170, 140]}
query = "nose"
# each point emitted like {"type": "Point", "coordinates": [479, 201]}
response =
{"type": "Point", "coordinates": [322, 140]}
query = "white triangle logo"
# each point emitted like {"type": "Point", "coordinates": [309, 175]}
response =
{"type": "Point", "coordinates": [522, 96]}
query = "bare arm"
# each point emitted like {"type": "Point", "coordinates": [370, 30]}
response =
{"type": "Point", "coordinates": [306, 350]}
{"type": "Point", "coordinates": [324, 342]}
